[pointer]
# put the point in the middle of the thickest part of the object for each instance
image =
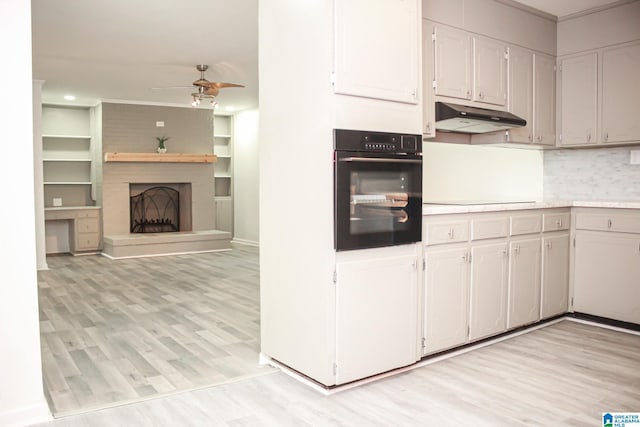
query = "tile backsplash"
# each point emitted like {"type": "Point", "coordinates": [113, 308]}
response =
{"type": "Point", "coordinates": [591, 174]}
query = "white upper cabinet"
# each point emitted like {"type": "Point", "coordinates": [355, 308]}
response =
{"type": "Point", "coordinates": [452, 63]}
{"type": "Point", "coordinates": [579, 100]}
{"type": "Point", "coordinates": [521, 92]}
{"type": "Point", "coordinates": [545, 100]}
{"type": "Point", "coordinates": [489, 71]}
{"type": "Point", "coordinates": [469, 68]}
{"type": "Point", "coordinates": [370, 59]}
{"type": "Point", "coordinates": [620, 94]}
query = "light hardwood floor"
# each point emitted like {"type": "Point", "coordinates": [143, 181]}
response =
{"type": "Point", "coordinates": [122, 330]}
{"type": "Point", "coordinates": [565, 374]}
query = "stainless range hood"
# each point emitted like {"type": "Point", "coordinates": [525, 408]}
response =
{"type": "Point", "coordinates": [464, 119]}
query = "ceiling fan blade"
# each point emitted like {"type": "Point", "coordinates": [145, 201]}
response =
{"type": "Point", "coordinates": [173, 87]}
{"type": "Point", "coordinates": [222, 84]}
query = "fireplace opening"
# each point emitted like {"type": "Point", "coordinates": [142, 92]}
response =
{"type": "Point", "coordinates": [155, 210]}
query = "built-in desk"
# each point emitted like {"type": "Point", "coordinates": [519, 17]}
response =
{"type": "Point", "coordinates": [83, 227]}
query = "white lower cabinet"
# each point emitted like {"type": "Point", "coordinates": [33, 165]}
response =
{"type": "Point", "coordinates": [376, 316]}
{"type": "Point", "coordinates": [607, 275]}
{"type": "Point", "coordinates": [483, 273]}
{"type": "Point", "coordinates": [555, 276]}
{"type": "Point", "coordinates": [524, 282]}
{"type": "Point", "coordinates": [489, 286]}
{"type": "Point", "coordinates": [446, 299]}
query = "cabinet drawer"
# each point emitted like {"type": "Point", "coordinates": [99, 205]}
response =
{"type": "Point", "coordinates": [87, 225]}
{"type": "Point", "coordinates": [87, 241]}
{"type": "Point", "coordinates": [51, 215]}
{"type": "Point", "coordinates": [87, 213]}
{"type": "Point", "coordinates": [602, 222]}
{"type": "Point", "coordinates": [489, 228]}
{"type": "Point", "coordinates": [526, 224]}
{"type": "Point", "coordinates": [556, 221]}
{"type": "Point", "coordinates": [447, 232]}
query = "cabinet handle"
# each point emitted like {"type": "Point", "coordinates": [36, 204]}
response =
{"type": "Point", "coordinates": [465, 257]}
{"type": "Point", "coordinates": [559, 223]}
{"type": "Point", "coordinates": [516, 249]}
{"type": "Point", "coordinates": [549, 245]}
{"type": "Point", "coordinates": [609, 223]}
{"type": "Point", "coordinates": [468, 94]}
{"type": "Point", "coordinates": [451, 233]}
{"type": "Point", "coordinates": [481, 95]}
{"type": "Point", "coordinates": [606, 136]}
{"type": "Point", "coordinates": [530, 138]}
{"type": "Point", "coordinates": [428, 127]}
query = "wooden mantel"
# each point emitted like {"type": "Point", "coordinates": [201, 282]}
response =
{"type": "Point", "coordinates": [160, 157]}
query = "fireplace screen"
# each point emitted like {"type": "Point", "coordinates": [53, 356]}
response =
{"type": "Point", "coordinates": [155, 210]}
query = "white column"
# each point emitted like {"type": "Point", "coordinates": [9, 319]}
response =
{"type": "Point", "coordinates": [22, 399]}
{"type": "Point", "coordinates": [38, 179]}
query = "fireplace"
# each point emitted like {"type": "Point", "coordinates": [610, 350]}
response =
{"type": "Point", "coordinates": [159, 208]}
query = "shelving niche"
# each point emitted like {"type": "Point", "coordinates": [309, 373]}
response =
{"type": "Point", "coordinates": [223, 171]}
{"type": "Point", "coordinates": [66, 155]}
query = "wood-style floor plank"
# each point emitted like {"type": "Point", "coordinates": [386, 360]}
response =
{"type": "Point", "coordinates": [565, 374]}
{"type": "Point", "coordinates": [119, 330]}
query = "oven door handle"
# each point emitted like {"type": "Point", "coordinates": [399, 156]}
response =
{"type": "Point", "coordinates": [379, 160]}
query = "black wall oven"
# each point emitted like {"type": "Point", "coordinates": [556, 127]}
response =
{"type": "Point", "coordinates": [377, 189]}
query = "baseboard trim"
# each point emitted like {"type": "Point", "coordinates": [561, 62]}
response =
{"type": "Point", "coordinates": [245, 242]}
{"type": "Point", "coordinates": [26, 416]}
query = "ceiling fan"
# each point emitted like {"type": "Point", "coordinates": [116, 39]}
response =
{"type": "Point", "coordinates": [204, 89]}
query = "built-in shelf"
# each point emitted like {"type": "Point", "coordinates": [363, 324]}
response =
{"type": "Point", "coordinates": [67, 183]}
{"type": "Point", "coordinates": [67, 160]}
{"type": "Point", "coordinates": [66, 136]}
{"type": "Point", "coordinates": [160, 157]}
{"type": "Point", "coordinates": [222, 136]}
{"type": "Point", "coordinates": [222, 176]}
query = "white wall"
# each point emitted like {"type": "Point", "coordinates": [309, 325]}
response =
{"type": "Point", "coordinates": [455, 172]}
{"type": "Point", "coordinates": [245, 175]}
{"type": "Point", "coordinates": [21, 396]}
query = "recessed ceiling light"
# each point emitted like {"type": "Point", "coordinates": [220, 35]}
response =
{"type": "Point", "coordinates": [70, 97]}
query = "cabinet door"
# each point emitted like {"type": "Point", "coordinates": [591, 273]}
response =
{"type": "Point", "coordinates": [578, 97]}
{"type": "Point", "coordinates": [490, 71]}
{"type": "Point", "coordinates": [376, 316]}
{"type": "Point", "coordinates": [452, 63]}
{"type": "Point", "coordinates": [607, 272]}
{"type": "Point", "coordinates": [489, 286]}
{"type": "Point", "coordinates": [446, 299]}
{"type": "Point", "coordinates": [373, 63]}
{"type": "Point", "coordinates": [428, 79]}
{"type": "Point", "coordinates": [224, 214]}
{"type": "Point", "coordinates": [524, 282]}
{"type": "Point", "coordinates": [555, 275]}
{"type": "Point", "coordinates": [545, 100]}
{"type": "Point", "coordinates": [620, 94]}
{"type": "Point", "coordinates": [521, 92]}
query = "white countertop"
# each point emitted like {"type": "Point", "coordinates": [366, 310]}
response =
{"type": "Point", "coordinates": [69, 208]}
{"type": "Point", "coordinates": [438, 209]}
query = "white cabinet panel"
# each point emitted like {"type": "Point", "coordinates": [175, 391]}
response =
{"type": "Point", "coordinates": [524, 282]}
{"type": "Point", "coordinates": [489, 285]}
{"type": "Point", "coordinates": [521, 92]}
{"type": "Point", "coordinates": [545, 100]}
{"type": "Point", "coordinates": [446, 299]}
{"type": "Point", "coordinates": [620, 94]}
{"type": "Point", "coordinates": [373, 63]}
{"type": "Point", "coordinates": [555, 275]}
{"type": "Point", "coordinates": [224, 213]}
{"type": "Point", "coordinates": [490, 71]}
{"type": "Point", "coordinates": [376, 316]}
{"type": "Point", "coordinates": [607, 275]}
{"type": "Point", "coordinates": [578, 96]}
{"type": "Point", "coordinates": [453, 63]}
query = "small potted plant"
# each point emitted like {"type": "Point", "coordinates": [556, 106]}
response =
{"type": "Point", "coordinates": [162, 148]}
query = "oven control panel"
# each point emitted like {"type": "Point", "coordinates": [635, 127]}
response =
{"type": "Point", "coordinates": [357, 140]}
